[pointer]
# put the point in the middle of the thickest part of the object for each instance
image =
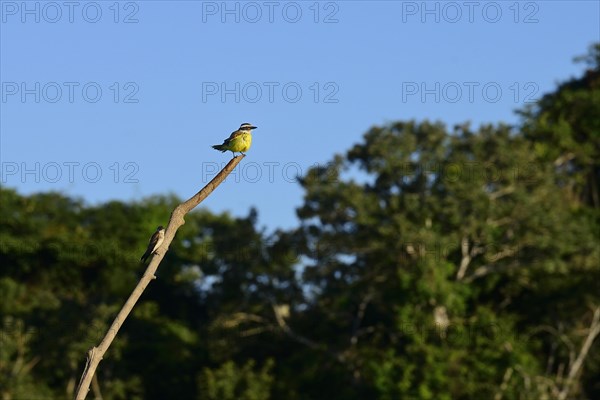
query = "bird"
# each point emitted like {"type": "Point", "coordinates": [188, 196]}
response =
{"type": "Point", "coordinates": [154, 243]}
{"type": "Point", "coordinates": [238, 141]}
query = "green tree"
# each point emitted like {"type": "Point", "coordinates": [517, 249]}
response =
{"type": "Point", "coordinates": [420, 237]}
{"type": "Point", "coordinates": [565, 128]}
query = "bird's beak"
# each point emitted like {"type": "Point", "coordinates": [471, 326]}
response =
{"type": "Point", "coordinates": [253, 127]}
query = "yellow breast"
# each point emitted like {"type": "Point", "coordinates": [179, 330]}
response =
{"type": "Point", "coordinates": [241, 143]}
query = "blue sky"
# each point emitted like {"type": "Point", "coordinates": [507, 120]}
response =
{"type": "Point", "coordinates": [122, 100]}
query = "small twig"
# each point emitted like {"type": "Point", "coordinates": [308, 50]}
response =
{"type": "Point", "coordinates": [95, 354]}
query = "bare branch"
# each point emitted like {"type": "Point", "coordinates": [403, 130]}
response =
{"type": "Point", "coordinates": [488, 269]}
{"type": "Point", "coordinates": [564, 159]}
{"type": "Point", "coordinates": [583, 352]}
{"type": "Point", "coordinates": [492, 267]}
{"type": "Point", "coordinates": [95, 354]}
{"type": "Point", "coordinates": [467, 257]}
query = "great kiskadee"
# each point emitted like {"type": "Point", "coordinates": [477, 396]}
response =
{"type": "Point", "coordinates": [155, 242]}
{"type": "Point", "coordinates": [238, 141]}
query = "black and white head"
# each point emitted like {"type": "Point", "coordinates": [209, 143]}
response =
{"type": "Point", "coordinates": [247, 127]}
{"type": "Point", "coordinates": [160, 228]}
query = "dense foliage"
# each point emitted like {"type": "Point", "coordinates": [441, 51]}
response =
{"type": "Point", "coordinates": [430, 263]}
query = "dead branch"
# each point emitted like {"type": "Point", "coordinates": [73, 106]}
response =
{"type": "Point", "coordinates": [95, 354]}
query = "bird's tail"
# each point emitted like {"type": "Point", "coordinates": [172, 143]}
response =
{"type": "Point", "coordinates": [145, 256]}
{"type": "Point", "coordinates": [220, 147]}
